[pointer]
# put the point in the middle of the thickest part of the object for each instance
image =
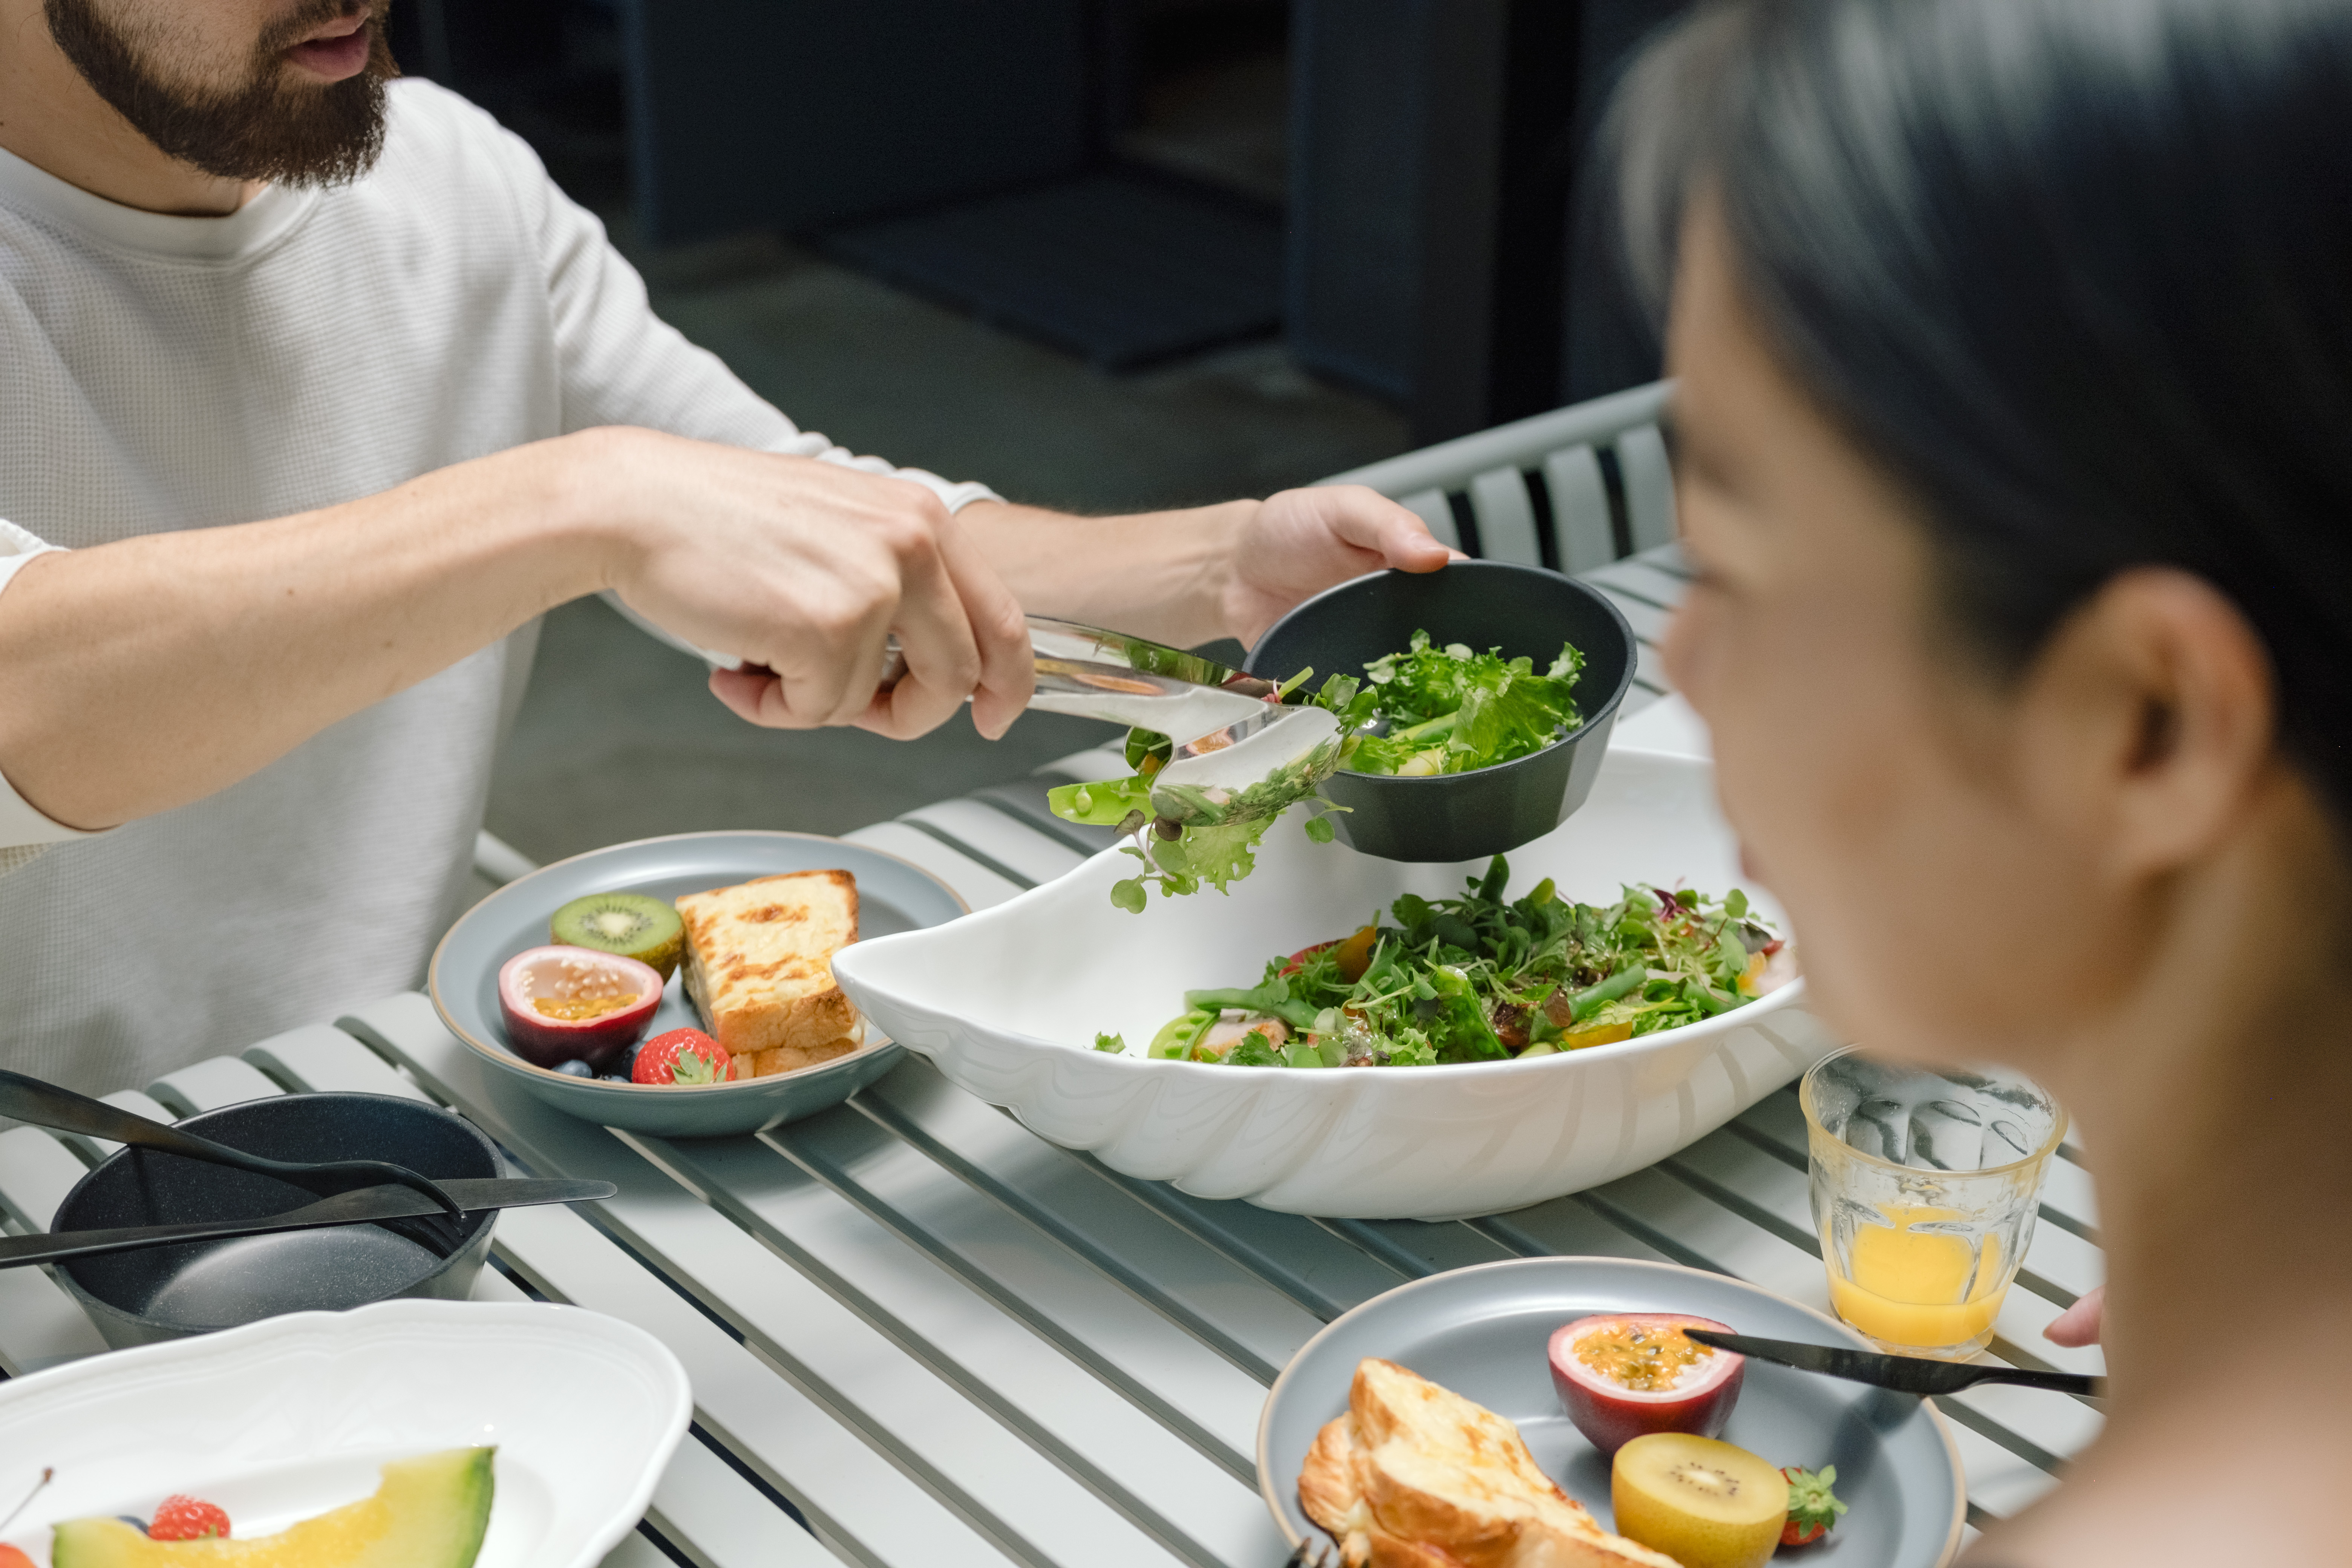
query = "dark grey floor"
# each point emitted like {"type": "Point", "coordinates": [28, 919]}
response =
{"type": "Point", "coordinates": [618, 738]}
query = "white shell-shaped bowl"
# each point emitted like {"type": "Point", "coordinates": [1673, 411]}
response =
{"type": "Point", "coordinates": [1008, 1002]}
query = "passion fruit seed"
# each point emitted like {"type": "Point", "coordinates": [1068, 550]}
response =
{"type": "Point", "coordinates": [1641, 1358]}
{"type": "Point", "coordinates": [577, 1009]}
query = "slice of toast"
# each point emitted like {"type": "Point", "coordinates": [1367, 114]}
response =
{"type": "Point", "coordinates": [1415, 1476]}
{"type": "Point", "coordinates": [759, 965]}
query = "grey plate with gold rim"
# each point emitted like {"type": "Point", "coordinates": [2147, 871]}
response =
{"type": "Point", "coordinates": [1481, 1332]}
{"type": "Point", "coordinates": [893, 895]}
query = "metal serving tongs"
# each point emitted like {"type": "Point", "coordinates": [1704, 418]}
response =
{"type": "Point", "coordinates": [1240, 753]}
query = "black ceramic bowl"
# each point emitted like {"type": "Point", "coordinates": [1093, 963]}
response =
{"type": "Point", "coordinates": [169, 1292]}
{"type": "Point", "coordinates": [1523, 610]}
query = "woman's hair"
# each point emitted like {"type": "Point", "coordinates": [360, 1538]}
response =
{"type": "Point", "coordinates": [2078, 272]}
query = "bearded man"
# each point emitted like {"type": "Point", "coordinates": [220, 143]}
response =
{"type": "Point", "coordinates": [317, 393]}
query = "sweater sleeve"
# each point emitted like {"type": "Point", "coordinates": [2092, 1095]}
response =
{"type": "Point", "coordinates": [622, 365]}
{"type": "Point", "coordinates": [24, 830]}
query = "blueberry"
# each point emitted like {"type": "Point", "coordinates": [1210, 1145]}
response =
{"type": "Point", "coordinates": [628, 1062]}
{"type": "Point", "coordinates": [577, 1068]}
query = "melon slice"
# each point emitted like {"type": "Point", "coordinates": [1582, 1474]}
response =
{"type": "Point", "coordinates": [428, 1512]}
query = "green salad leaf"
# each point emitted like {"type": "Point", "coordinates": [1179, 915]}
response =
{"type": "Point", "coordinates": [1450, 710]}
{"type": "Point", "coordinates": [1426, 711]}
{"type": "Point", "coordinates": [1483, 978]}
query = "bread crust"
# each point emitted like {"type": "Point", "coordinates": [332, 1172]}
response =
{"type": "Point", "coordinates": [1415, 1476]}
{"type": "Point", "coordinates": [759, 965]}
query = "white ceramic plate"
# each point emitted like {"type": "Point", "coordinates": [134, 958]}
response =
{"type": "Point", "coordinates": [1008, 1002]}
{"type": "Point", "coordinates": [287, 1418]}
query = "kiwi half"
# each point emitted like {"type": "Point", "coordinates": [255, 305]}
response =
{"type": "Point", "coordinates": [630, 924]}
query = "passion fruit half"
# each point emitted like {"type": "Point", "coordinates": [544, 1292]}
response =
{"type": "Point", "coordinates": [1623, 1376]}
{"type": "Point", "coordinates": [574, 1003]}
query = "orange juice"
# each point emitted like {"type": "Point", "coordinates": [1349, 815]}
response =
{"type": "Point", "coordinates": [1905, 1285]}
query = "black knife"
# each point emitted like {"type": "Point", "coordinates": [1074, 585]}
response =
{"type": "Point", "coordinates": [359, 1207]}
{"type": "Point", "coordinates": [1904, 1373]}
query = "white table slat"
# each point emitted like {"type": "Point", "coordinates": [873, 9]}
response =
{"type": "Point", "coordinates": [2000, 1482]}
{"type": "Point", "coordinates": [1507, 518]}
{"type": "Point", "coordinates": [1417, 1247]}
{"type": "Point", "coordinates": [1088, 767]}
{"type": "Point", "coordinates": [1004, 1488]}
{"type": "Point", "coordinates": [37, 1171]}
{"type": "Point", "coordinates": [1648, 621]}
{"type": "Point", "coordinates": [1642, 578]}
{"type": "Point", "coordinates": [844, 1487]}
{"type": "Point", "coordinates": [704, 1503]}
{"type": "Point", "coordinates": [1315, 1268]}
{"type": "Point", "coordinates": [322, 1058]}
{"type": "Point", "coordinates": [1117, 1447]}
{"type": "Point", "coordinates": [1649, 480]}
{"type": "Point", "coordinates": [1003, 1255]}
{"type": "Point", "coordinates": [1011, 845]}
{"type": "Point", "coordinates": [41, 1325]}
{"type": "Point", "coordinates": [1649, 667]}
{"type": "Point", "coordinates": [634, 1551]}
{"type": "Point", "coordinates": [1194, 1283]}
{"type": "Point", "coordinates": [975, 883]}
{"type": "Point", "coordinates": [1567, 1227]}
{"type": "Point", "coordinates": [210, 1084]}
{"type": "Point", "coordinates": [1581, 524]}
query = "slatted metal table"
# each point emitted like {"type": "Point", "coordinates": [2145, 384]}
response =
{"type": "Point", "coordinates": [918, 1334]}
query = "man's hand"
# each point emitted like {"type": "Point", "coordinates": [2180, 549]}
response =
{"type": "Point", "coordinates": [802, 570]}
{"type": "Point", "coordinates": [1299, 542]}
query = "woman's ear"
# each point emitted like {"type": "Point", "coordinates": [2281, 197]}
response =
{"type": "Point", "coordinates": [2149, 720]}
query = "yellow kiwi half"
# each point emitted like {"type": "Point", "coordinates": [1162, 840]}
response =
{"type": "Point", "coordinates": [1705, 1503]}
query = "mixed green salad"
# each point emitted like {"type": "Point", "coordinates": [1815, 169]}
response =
{"type": "Point", "coordinates": [1423, 713]}
{"type": "Point", "coordinates": [1477, 979]}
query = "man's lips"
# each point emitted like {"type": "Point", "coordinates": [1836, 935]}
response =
{"type": "Point", "coordinates": [336, 50]}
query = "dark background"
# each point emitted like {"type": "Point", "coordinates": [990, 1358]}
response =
{"type": "Point", "coordinates": [1105, 255]}
{"type": "Point", "coordinates": [1418, 174]}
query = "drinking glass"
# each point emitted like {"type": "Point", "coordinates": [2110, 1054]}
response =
{"type": "Point", "coordinates": [1925, 1185]}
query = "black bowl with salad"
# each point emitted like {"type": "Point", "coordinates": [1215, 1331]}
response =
{"type": "Point", "coordinates": [1443, 795]}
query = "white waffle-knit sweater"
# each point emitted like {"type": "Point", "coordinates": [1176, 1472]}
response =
{"type": "Point", "coordinates": [317, 346]}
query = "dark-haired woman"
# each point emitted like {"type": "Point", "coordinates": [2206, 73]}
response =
{"type": "Point", "coordinates": [2014, 346]}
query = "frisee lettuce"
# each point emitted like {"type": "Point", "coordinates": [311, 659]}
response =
{"type": "Point", "coordinates": [1440, 709]}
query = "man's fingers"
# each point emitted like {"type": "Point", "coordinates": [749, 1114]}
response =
{"type": "Point", "coordinates": [944, 663]}
{"type": "Point", "coordinates": [1008, 668]}
{"type": "Point", "coordinates": [1371, 523]}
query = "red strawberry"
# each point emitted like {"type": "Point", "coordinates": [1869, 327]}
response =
{"type": "Point", "coordinates": [186, 1518]}
{"type": "Point", "coordinates": [682, 1055]}
{"type": "Point", "coordinates": [1814, 1509]}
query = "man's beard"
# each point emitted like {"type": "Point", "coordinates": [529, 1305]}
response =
{"type": "Point", "coordinates": [263, 128]}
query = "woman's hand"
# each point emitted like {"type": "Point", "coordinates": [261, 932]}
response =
{"type": "Point", "coordinates": [2079, 1324]}
{"type": "Point", "coordinates": [1298, 542]}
